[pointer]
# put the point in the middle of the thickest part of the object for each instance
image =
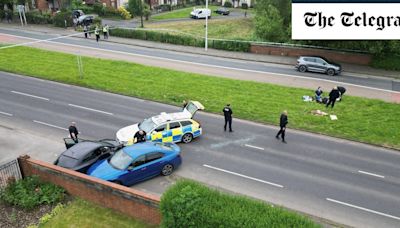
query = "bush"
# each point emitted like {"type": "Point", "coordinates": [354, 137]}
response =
{"type": "Point", "coordinates": [111, 12]}
{"type": "Point", "coordinates": [31, 192]}
{"type": "Point", "coordinates": [190, 204]}
{"type": "Point", "coordinates": [124, 13]}
{"type": "Point", "coordinates": [36, 17]}
{"type": "Point", "coordinates": [163, 8]}
{"type": "Point", "coordinates": [388, 62]}
{"type": "Point", "coordinates": [230, 45]}
{"type": "Point", "coordinates": [228, 4]}
{"type": "Point", "coordinates": [245, 6]}
{"type": "Point", "coordinates": [60, 18]}
{"type": "Point", "coordinates": [99, 9]}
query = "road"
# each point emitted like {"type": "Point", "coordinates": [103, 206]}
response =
{"type": "Point", "coordinates": [371, 87]}
{"type": "Point", "coordinates": [347, 182]}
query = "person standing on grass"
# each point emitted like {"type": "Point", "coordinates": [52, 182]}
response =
{"type": "Point", "coordinates": [282, 124]}
{"type": "Point", "coordinates": [228, 117]}
{"type": "Point", "coordinates": [333, 95]}
{"type": "Point", "coordinates": [342, 90]}
{"type": "Point", "coordinates": [97, 33]}
{"type": "Point", "coordinates": [73, 132]}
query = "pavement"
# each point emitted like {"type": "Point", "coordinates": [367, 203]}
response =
{"type": "Point", "coordinates": [284, 60]}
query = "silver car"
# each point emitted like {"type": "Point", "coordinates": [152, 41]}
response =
{"type": "Point", "coordinates": [317, 64]}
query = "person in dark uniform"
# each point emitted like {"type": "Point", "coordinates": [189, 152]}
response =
{"type": "Point", "coordinates": [73, 132]}
{"type": "Point", "coordinates": [342, 90]}
{"type": "Point", "coordinates": [318, 95]}
{"type": "Point", "coordinates": [228, 117]}
{"type": "Point", "coordinates": [139, 137]}
{"type": "Point", "coordinates": [333, 95]}
{"type": "Point", "coordinates": [282, 123]}
{"type": "Point", "coordinates": [184, 104]}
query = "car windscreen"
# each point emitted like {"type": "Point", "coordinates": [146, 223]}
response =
{"type": "Point", "coordinates": [147, 125]}
{"type": "Point", "coordinates": [120, 160]}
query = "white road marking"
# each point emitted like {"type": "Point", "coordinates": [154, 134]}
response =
{"type": "Point", "coordinates": [50, 125]}
{"type": "Point", "coordinates": [241, 175]}
{"type": "Point", "coordinates": [5, 113]}
{"type": "Point", "coordinates": [371, 174]}
{"type": "Point", "coordinates": [255, 147]}
{"type": "Point", "coordinates": [210, 65]}
{"type": "Point", "coordinates": [30, 95]}
{"type": "Point", "coordinates": [91, 109]}
{"type": "Point", "coordinates": [362, 208]}
{"type": "Point", "coordinates": [225, 143]}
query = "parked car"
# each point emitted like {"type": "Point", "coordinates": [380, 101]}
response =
{"type": "Point", "coordinates": [77, 13]}
{"type": "Point", "coordinates": [222, 11]}
{"type": "Point", "coordinates": [85, 20]}
{"type": "Point", "coordinates": [166, 127]}
{"type": "Point", "coordinates": [80, 156]}
{"type": "Point", "coordinates": [138, 162]}
{"type": "Point", "coordinates": [200, 13]}
{"type": "Point", "coordinates": [317, 64]}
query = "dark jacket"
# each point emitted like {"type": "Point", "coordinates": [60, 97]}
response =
{"type": "Point", "coordinates": [140, 137]}
{"type": "Point", "coordinates": [318, 92]}
{"type": "Point", "coordinates": [74, 130]}
{"type": "Point", "coordinates": [334, 94]}
{"type": "Point", "coordinates": [341, 89]}
{"type": "Point", "coordinates": [227, 112]}
{"type": "Point", "coordinates": [283, 121]}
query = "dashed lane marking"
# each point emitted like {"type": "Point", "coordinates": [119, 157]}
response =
{"type": "Point", "coordinates": [50, 125]}
{"type": "Point", "coordinates": [30, 95]}
{"type": "Point", "coordinates": [371, 174]}
{"type": "Point", "coordinates": [5, 113]}
{"type": "Point", "coordinates": [255, 147]}
{"type": "Point", "coordinates": [91, 109]}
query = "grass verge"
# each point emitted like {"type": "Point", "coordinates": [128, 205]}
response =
{"type": "Point", "coordinates": [80, 213]}
{"type": "Point", "coordinates": [365, 120]}
{"type": "Point", "coordinates": [181, 13]}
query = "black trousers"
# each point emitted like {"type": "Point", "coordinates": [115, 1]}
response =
{"type": "Point", "coordinates": [282, 132]}
{"type": "Point", "coordinates": [97, 37]}
{"type": "Point", "coordinates": [331, 101]}
{"type": "Point", "coordinates": [228, 120]}
{"type": "Point", "coordinates": [86, 34]}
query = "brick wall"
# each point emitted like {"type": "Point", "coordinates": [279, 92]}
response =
{"type": "Point", "coordinates": [336, 56]}
{"type": "Point", "coordinates": [140, 205]}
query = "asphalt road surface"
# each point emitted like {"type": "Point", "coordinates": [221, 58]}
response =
{"type": "Point", "coordinates": [372, 87]}
{"type": "Point", "coordinates": [347, 182]}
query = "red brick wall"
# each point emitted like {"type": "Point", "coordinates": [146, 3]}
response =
{"type": "Point", "coordinates": [344, 57]}
{"type": "Point", "coordinates": [140, 205]}
{"type": "Point", "coordinates": [42, 5]}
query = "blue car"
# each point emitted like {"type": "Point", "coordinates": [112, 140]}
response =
{"type": "Point", "coordinates": [138, 162]}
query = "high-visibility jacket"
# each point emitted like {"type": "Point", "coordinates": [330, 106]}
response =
{"type": "Point", "coordinates": [96, 31]}
{"type": "Point", "coordinates": [105, 29]}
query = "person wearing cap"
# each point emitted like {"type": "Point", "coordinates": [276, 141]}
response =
{"type": "Point", "coordinates": [333, 95]}
{"type": "Point", "coordinates": [73, 132]}
{"type": "Point", "coordinates": [228, 117]}
{"type": "Point", "coordinates": [283, 121]}
{"type": "Point", "coordinates": [342, 90]}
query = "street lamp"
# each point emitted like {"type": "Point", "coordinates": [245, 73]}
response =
{"type": "Point", "coordinates": [206, 44]}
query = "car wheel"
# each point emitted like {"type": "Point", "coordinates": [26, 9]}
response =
{"type": "Point", "coordinates": [330, 72]}
{"type": "Point", "coordinates": [187, 138]}
{"type": "Point", "coordinates": [302, 68]}
{"type": "Point", "coordinates": [167, 169]}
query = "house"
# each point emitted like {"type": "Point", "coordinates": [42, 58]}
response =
{"type": "Point", "coordinates": [238, 3]}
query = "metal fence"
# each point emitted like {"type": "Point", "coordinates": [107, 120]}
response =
{"type": "Point", "coordinates": [9, 170]}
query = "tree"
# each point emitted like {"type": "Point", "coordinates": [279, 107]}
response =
{"type": "Point", "coordinates": [269, 23]}
{"type": "Point", "coordinates": [136, 8]}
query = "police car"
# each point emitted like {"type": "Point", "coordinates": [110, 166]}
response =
{"type": "Point", "coordinates": [166, 127]}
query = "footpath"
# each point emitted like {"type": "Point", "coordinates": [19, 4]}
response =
{"type": "Point", "coordinates": [283, 60]}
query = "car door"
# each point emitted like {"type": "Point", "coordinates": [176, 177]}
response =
{"type": "Point", "coordinates": [321, 65]}
{"type": "Point", "coordinates": [157, 134]}
{"type": "Point", "coordinates": [136, 171]}
{"type": "Point", "coordinates": [176, 132]}
{"type": "Point", "coordinates": [154, 163]}
{"type": "Point", "coordinates": [311, 64]}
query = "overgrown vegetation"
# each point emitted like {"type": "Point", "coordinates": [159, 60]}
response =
{"type": "Point", "coordinates": [361, 119]}
{"type": "Point", "coordinates": [190, 204]}
{"type": "Point", "coordinates": [31, 192]}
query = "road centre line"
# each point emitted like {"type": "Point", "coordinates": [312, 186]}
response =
{"type": "Point", "coordinates": [363, 208]}
{"type": "Point", "coordinates": [371, 174]}
{"type": "Point", "coordinates": [255, 147]}
{"type": "Point", "coordinates": [209, 65]}
{"type": "Point", "coordinates": [50, 125]}
{"type": "Point", "coordinates": [30, 95]}
{"type": "Point", "coordinates": [241, 175]}
{"type": "Point", "coordinates": [5, 113]}
{"type": "Point", "coordinates": [91, 109]}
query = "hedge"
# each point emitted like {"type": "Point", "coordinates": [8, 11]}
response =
{"type": "Point", "coordinates": [179, 39]}
{"type": "Point", "coordinates": [190, 204]}
{"type": "Point", "coordinates": [37, 17]}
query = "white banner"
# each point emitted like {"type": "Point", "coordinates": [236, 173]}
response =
{"type": "Point", "coordinates": [349, 21]}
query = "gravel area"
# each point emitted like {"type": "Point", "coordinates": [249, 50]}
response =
{"type": "Point", "coordinates": [12, 216]}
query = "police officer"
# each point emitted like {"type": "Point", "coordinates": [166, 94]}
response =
{"type": "Point", "coordinates": [97, 33]}
{"type": "Point", "coordinates": [228, 117]}
{"type": "Point", "coordinates": [333, 95]}
{"type": "Point", "coordinates": [105, 31]}
{"type": "Point", "coordinates": [139, 137]}
{"type": "Point", "coordinates": [73, 132]}
{"type": "Point", "coordinates": [282, 123]}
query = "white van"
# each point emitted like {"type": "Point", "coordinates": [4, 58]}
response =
{"type": "Point", "coordinates": [200, 13]}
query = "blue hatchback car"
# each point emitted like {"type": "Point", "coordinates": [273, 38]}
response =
{"type": "Point", "coordinates": [138, 162]}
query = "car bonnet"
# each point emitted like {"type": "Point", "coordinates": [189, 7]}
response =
{"type": "Point", "coordinates": [126, 133]}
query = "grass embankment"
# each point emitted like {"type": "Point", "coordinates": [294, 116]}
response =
{"type": "Point", "coordinates": [181, 13]}
{"type": "Point", "coordinates": [83, 214]}
{"type": "Point", "coordinates": [240, 28]}
{"type": "Point", "coordinates": [365, 120]}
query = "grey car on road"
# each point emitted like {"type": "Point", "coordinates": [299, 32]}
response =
{"type": "Point", "coordinates": [317, 64]}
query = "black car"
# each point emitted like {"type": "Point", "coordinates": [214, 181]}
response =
{"type": "Point", "coordinates": [77, 13]}
{"type": "Point", "coordinates": [222, 11]}
{"type": "Point", "coordinates": [80, 156]}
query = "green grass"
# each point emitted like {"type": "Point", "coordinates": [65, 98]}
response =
{"type": "Point", "coordinates": [366, 120]}
{"type": "Point", "coordinates": [240, 28]}
{"type": "Point", "coordinates": [84, 214]}
{"type": "Point", "coordinates": [181, 13]}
